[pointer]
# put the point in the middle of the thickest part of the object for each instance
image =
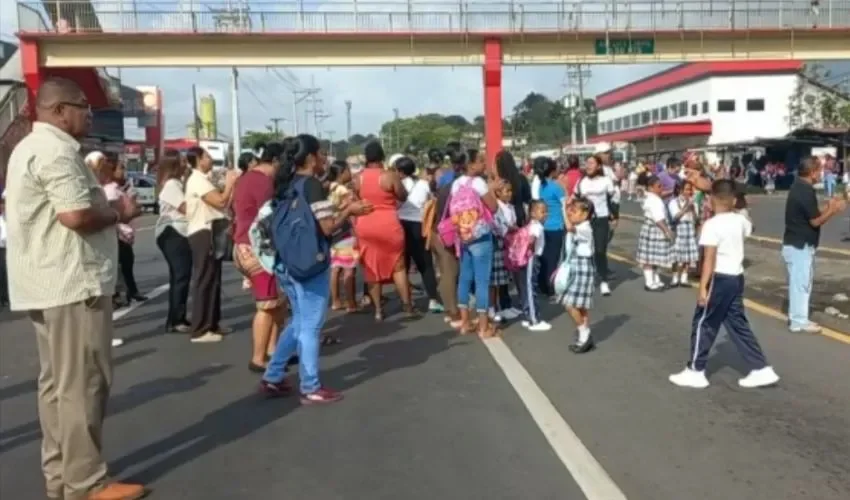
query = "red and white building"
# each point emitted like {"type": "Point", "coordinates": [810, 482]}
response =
{"type": "Point", "coordinates": [704, 104]}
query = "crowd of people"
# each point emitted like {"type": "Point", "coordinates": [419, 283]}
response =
{"type": "Point", "coordinates": [488, 242]}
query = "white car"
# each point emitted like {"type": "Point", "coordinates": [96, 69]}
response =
{"type": "Point", "coordinates": [144, 188]}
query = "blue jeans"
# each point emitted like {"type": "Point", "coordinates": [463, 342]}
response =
{"type": "Point", "coordinates": [308, 302]}
{"type": "Point", "coordinates": [800, 267]}
{"type": "Point", "coordinates": [829, 182]}
{"type": "Point", "coordinates": [476, 264]}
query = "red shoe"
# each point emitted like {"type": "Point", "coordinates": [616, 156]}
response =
{"type": "Point", "coordinates": [321, 396]}
{"type": "Point", "coordinates": [271, 390]}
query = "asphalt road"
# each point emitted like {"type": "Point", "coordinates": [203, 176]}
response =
{"type": "Point", "coordinates": [768, 213]}
{"type": "Point", "coordinates": [431, 415]}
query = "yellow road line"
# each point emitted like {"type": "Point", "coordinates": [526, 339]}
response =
{"type": "Point", "coordinates": [764, 239]}
{"type": "Point", "coordinates": [755, 306]}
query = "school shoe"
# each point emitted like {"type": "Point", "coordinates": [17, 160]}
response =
{"type": "Point", "coordinates": [540, 326]}
{"type": "Point", "coordinates": [207, 338]}
{"type": "Point", "coordinates": [762, 377]}
{"type": "Point", "coordinates": [604, 289]}
{"type": "Point", "coordinates": [657, 287]}
{"type": "Point", "coordinates": [494, 316]}
{"type": "Point", "coordinates": [320, 396]}
{"type": "Point", "coordinates": [587, 346]}
{"type": "Point", "coordinates": [689, 378]}
{"type": "Point", "coordinates": [119, 491]}
{"type": "Point", "coordinates": [117, 342]}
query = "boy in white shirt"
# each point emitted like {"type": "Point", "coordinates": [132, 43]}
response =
{"type": "Point", "coordinates": [721, 300]}
{"type": "Point", "coordinates": [525, 284]}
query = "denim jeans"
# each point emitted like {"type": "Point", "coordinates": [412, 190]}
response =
{"type": "Point", "coordinates": [308, 302]}
{"type": "Point", "coordinates": [829, 182]}
{"type": "Point", "coordinates": [800, 267]}
{"type": "Point", "coordinates": [476, 264]}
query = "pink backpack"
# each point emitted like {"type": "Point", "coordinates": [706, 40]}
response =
{"type": "Point", "coordinates": [517, 249]}
{"type": "Point", "coordinates": [465, 217]}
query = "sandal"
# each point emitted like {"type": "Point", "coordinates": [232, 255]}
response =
{"type": "Point", "coordinates": [411, 312]}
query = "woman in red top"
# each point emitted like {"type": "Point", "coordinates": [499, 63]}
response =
{"type": "Point", "coordinates": [569, 179]}
{"type": "Point", "coordinates": [253, 189]}
{"type": "Point", "coordinates": [379, 234]}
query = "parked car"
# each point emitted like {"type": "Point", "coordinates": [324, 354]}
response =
{"type": "Point", "coordinates": [144, 187]}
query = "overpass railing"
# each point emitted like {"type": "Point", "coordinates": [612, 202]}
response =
{"type": "Point", "coordinates": [436, 16]}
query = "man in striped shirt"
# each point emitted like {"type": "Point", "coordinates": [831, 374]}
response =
{"type": "Point", "coordinates": [62, 255]}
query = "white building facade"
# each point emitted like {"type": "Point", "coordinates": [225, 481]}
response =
{"type": "Point", "coordinates": [707, 104]}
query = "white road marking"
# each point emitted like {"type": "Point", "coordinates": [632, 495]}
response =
{"type": "Point", "coordinates": [584, 468]}
{"type": "Point", "coordinates": [156, 292]}
{"type": "Point", "coordinates": [145, 228]}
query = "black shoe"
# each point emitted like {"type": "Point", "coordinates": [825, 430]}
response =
{"type": "Point", "coordinates": [255, 368]}
{"type": "Point", "coordinates": [588, 346]}
{"type": "Point", "coordinates": [137, 297]}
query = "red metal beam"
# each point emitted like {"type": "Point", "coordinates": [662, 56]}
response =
{"type": "Point", "coordinates": [689, 73]}
{"type": "Point", "coordinates": [658, 130]}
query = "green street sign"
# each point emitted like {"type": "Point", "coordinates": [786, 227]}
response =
{"type": "Point", "coordinates": [624, 46]}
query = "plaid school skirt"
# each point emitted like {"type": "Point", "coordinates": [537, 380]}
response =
{"type": "Point", "coordinates": [582, 283]}
{"type": "Point", "coordinates": [499, 275]}
{"type": "Point", "coordinates": [654, 249]}
{"type": "Point", "coordinates": [685, 249]}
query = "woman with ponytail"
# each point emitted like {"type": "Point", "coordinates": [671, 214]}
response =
{"type": "Point", "coordinates": [553, 195]}
{"type": "Point", "coordinates": [310, 296]}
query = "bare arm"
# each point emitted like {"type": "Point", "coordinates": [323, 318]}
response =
{"type": "Point", "coordinates": [219, 199]}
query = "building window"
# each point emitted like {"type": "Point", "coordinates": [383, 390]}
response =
{"type": "Point", "coordinates": [694, 109]}
{"type": "Point", "coordinates": [644, 118]}
{"type": "Point", "coordinates": [618, 124]}
{"type": "Point", "coordinates": [627, 122]}
{"type": "Point", "coordinates": [704, 107]}
{"type": "Point", "coordinates": [726, 105]}
{"type": "Point", "coordinates": [674, 111]}
{"type": "Point", "coordinates": [636, 120]}
{"type": "Point", "coordinates": [755, 104]}
{"type": "Point", "coordinates": [655, 115]}
{"type": "Point", "coordinates": [664, 113]}
{"type": "Point", "coordinates": [683, 108]}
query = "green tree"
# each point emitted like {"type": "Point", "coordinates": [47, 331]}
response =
{"type": "Point", "coordinates": [253, 138]}
{"type": "Point", "coordinates": [815, 103]}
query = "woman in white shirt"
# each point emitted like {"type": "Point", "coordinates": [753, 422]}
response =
{"type": "Point", "coordinates": [410, 216]}
{"type": "Point", "coordinates": [205, 207]}
{"type": "Point", "coordinates": [170, 233]}
{"type": "Point", "coordinates": [599, 189]}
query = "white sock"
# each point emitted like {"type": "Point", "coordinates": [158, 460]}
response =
{"type": "Point", "coordinates": [656, 278]}
{"type": "Point", "coordinates": [648, 277]}
{"type": "Point", "coordinates": [683, 278]}
{"type": "Point", "coordinates": [675, 280]}
{"type": "Point", "coordinates": [583, 334]}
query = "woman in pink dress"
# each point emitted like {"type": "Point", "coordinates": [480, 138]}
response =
{"type": "Point", "coordinates": [379, 234]}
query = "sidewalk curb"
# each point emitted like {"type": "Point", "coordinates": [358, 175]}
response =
{"type": "Point", "coordinates": [840, 336]}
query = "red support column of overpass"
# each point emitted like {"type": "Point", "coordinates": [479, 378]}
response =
{"type": "Point", "coordinates": [492, 98]}
{"type": "Point", "coordinates": [34, 74]}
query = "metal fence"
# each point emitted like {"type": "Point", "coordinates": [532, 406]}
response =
{"type": "Point", "coordinates": [413, 16]}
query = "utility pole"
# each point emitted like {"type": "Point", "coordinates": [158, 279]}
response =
{"type": "Point", "coordinates": [347, 120]}
{"type": "Point", "coordinates": [298, 96]}
{"type": "Point", "coordinates": [396, 137]}
{"type": "Point", "coordinates": [196, 119]}
{"type": "Point", "coordinates": [330, 135]}
{"type": "Point", "coordinates": [275, 122]}
{"type": "Point", "coordinates": [577, 77]}
{"type": "Point", "coordinates": [234, 102]}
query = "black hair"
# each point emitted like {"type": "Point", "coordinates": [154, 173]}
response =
{"type": "Point", "coordinates": [673, 162]}
{"type": "Point", "coordinates": [508, 171]}
{"type": "Point", "coordinates": [573, 162]}
{"type": "Point", "coordinates": [652, 180]}
{"type": "Point", "coordinates": [335, 170]}
{"type": "Point", "coordinates": [585, 205]}
{"type": "Point", "coordinates": [294, 157]}
{"type": "Point", "coordinates": [374, 152]}
{"type": "Point", "coordinates": [244, 161]}
{"type": "Point", "coordinates": [724, 189]}
{"type": "Point", "coordinates": [406, 166]}
{"type": "Point", "coordinates": [435, 155]}
{"type": "Point", "coordinates": [194, 155]}
{"type": "Point", "coordinates": [543, 167]}
{"type": "Point", "coordinates": [534, 204]}
{"type": "Point", "coordinates": [271, 152]}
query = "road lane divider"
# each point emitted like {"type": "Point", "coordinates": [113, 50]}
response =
{"type": "Point", "coordinates": [585, 470]}
{"type": "Point", "coordinates": [762, 239]}
{"type": "Point", "coordinates": [156, 292]}
{"type": "Point", "coordinates": [749, 304]}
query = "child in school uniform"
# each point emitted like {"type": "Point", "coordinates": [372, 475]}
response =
{"type": "Point", "coordinates": [344, 253]}
{"type": "Point", "coordinates": [504, 220]}
{"type": "Point", "coordinates": [655, 240]}
{"type": "Point", "coordinates": [684, 214]}
{"type": "Point", "coordinates": [578, 298]}
{"type": "Point", "coordinates": [720, 300]}
{"type": "Point", "coordinates": [537, 212]}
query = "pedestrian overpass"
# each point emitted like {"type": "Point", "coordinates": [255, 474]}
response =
{"type": "Point", "coordinates": [434, 33]}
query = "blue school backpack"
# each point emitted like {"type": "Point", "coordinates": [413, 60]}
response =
{"type": "Point", "coordinates": [302, 252]}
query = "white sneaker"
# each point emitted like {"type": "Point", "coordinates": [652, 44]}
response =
{"type": "Point", "coordinates": [540, 326]}
{"type": "Point", "coordinates": [604, 289]}
{"type": "Point", "coordinates": [762, 377]}
{"type": "Point", "coordinates": [810, 328]}
{"type": "Point", "coordinates": [207, 338]}
{"type": "Point", "coordinates": [511, 313]}
{"type": "Point", "coordinates": [494, 316]}
{"type": "Point", "coordinates": [689, 378]}
{"type": "Point", "coordinates": [116, 342]}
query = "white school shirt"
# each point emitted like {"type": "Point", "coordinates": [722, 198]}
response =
{"type": "Point", "coordinates": [418, 192]}
{"type": "Point", "coordinates": [675, 206]}
{"type": "Point", "coordinates": [478, 184]}
{"type": "Point", "coordinates": [584, 240]}
{"type": "Point", "coordinates": [505, 218]}
{"type": "Point", "coordinates": [535, 230]}
{"type": "Point", "coordinates": [727, 231]}
{"type": "Point", "coordinates": [653, 208]}
{"type": "Point", "coordinates": [597, 190]}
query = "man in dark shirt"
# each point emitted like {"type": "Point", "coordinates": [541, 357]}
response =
{"type": "Point", "coordinates": [803, 220]}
